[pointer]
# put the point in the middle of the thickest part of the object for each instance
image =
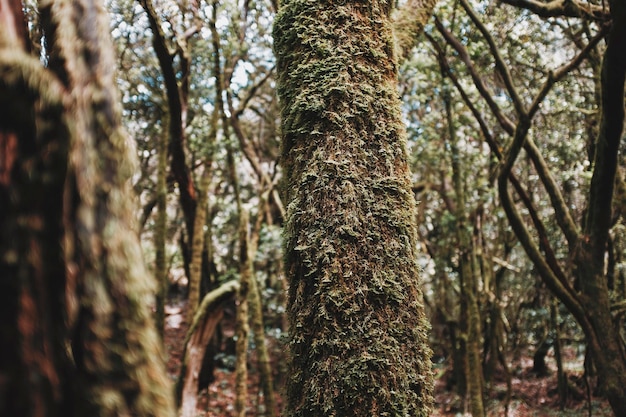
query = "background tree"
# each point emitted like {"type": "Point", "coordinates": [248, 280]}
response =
{"type": "Point", "coordinates": [513, 96]}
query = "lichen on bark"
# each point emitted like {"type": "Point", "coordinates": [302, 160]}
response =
{"type": "Point", "coordinates": [358, 342]}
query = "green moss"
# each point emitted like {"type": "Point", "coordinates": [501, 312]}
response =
{"type": "Point", "coordinates": [358, 331]}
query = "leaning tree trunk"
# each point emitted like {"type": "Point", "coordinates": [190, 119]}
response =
{"type": "Point", "coordinates": [77, 337]}
{"type": "Point", "coordinates": [358, 333]}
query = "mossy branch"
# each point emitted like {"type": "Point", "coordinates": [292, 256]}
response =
{"type": "Point", "coordinates": [358, 333]}
{"type": "Point", "coordinates": [209, 303]}
{"type": "Point", "coordinates": [408, 24]}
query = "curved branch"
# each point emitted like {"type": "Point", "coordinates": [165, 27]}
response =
{"type": "Point", "coordinates": [559, 287]}
{"type": "Point", "coordinates": [562, 8]}
{"type": "Point", "coordinates": [504, 121]}
{"type": "Point", "coordinates": [563, 216]}
{"type": "Point", "coordinates": [501, 67]}
{"type": "Point", "coordinates": [495, 149]}
{"type": "Point", "coordinates": [177, 110]}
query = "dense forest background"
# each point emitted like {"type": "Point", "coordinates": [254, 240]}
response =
{"type": "Point", "coordinates": [513, 112]}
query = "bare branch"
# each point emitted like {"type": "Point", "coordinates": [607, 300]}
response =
{"type": "Point", "coordinates": [504, 121]}
{"type": "Point", "coordinates": [562, 8]}
{"type": "Point", "coordinates": [501, 67]}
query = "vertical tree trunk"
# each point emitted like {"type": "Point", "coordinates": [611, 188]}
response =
{"type": "Point", "coordinates": [558, 354]}
{"type": "Point", "coordinates": [160, 235]}
{"type": "Point", "coordinates": [358, 331]}
{"type": "Point", "coordinates": [197, 243]}
{"type": "Point", "coordinates": [34, 365]}
{"type": "Point", "coordinates": [256, 317]}
{"type": "Point", "coordinates": [469, 299]}
{"type": "Point", "coordinates": [242, 330]}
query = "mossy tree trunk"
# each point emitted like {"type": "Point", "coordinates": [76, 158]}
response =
{"type": "Point", "coordinates": [76, 293]}
{"type": "Point", "coordinates": [604, 333]}
{"type": "Point", "coordinates": [470, 312]}
{"type": "Point", "coordinates": [160, 236]}
{"type": "Point", "coordinates": [358, 333]}
{"type": "Point", "coordinates": [242, 326]}
{"type": "Point", "coordinates": [256, 315]}
{"type": "Point", "coordinates": [34, 375]}
{"type": "Point", "coordinates": [197, 242]}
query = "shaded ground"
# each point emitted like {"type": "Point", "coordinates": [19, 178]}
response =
{"type": "Point", "coordinates": [531, 395]}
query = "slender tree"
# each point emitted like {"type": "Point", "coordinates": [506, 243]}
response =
{"type": "Point", "coordinates": [470, 312]}
{"type": "Point", "coordinates": [358, 332]}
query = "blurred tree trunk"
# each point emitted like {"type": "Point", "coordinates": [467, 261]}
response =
{"type": "Point", "coordinates": [160, 236]}
{"type": "Point", "coordinates": [77, 334]}
{"type": "Point", "coordinates": [358, 330]}
{"type": "Point", "coordinates": [408, 24]}
{"type": "Point", "coordinates": [470, 313]}
{"type": "Point", "coordinates": [256, 315]}
{"type": "Point", "coordinates": [198, 243]}
{"type": "Point", "coordinates": [242, 326]}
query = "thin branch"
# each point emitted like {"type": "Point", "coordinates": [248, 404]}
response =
{"type": "Point", "coordinates": [501, 67]}
{"type": "Point", "coordinates": [504, 121]}
{"type": "Point", "coordinates": [537, 223]}
{"type": "Point", "coordinates": [562, 8]}
{"type": "Point", "coordinates": [251, 93]}
{"type": "Point", "coordinates": [556, 285]}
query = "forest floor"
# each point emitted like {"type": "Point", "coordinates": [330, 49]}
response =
{"type": "Point", "coordinates": [531, 395]}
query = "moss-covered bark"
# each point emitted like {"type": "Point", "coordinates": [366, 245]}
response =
{"type": "Point", "coordinates": [242, 327]}
{"type": "Point", "coordinates": [470, 312]}
{"type": "Point", "coordinates": [33, 165]}
{"type": "Point", "coordinates": [79, 296]}
{"type": "Point", "coordinates": [408, 24]}
{"type": "Point", "coordinates": [357, 327]}
{"type": "Point", "coordinates": [160, 235]}
{"type": "Point", "coordinates": [197, 243]}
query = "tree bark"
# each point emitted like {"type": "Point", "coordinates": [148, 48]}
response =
{"type": "Point", "coordinates": [470, 316]}
{"type": "Point", "coordinates": [197, 242]}
{"type": "Point", "coordinates": [242, 327]}
{"type": "Point", "coordinates": [160, 236]}
{"type": "Point", "coordinates": [358, 330]}
{"type": "Point", "coordinates": [77, 291]}
{"type": "Point", "coordinates": [606, 343]}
